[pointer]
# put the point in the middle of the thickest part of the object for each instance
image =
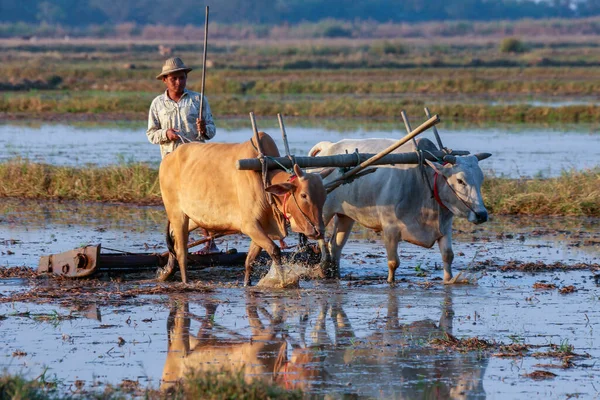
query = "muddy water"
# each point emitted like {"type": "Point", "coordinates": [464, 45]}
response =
{"type": "Point", "coordinates": [518, 151]}
{"type": "Point", "coordinates": [357, 337]}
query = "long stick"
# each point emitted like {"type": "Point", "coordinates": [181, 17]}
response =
{"type": "Point", "coordinates": [407, 125]}
{"type": "Point", "coordinates": [198, 242]}
{"type": "Point", "coordinates": [341, 160]}
{"type": "Point", "coordinates": [422, 128]}
{"type": "Point", "coordinates": [435, 131]}
{"type": "Point", "coordinates": [256, 138]}
{"type": "Point", "coordinates": [204, 65]}
{"type": "Point", "coordinates": [284, 135]}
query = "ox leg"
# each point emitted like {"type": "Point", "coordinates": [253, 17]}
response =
{"type": "Point", "coordinates": [445, 244]}
{"type": "Point", "coordinates": [326, 264]}
{"type": "Point", "coordinates": [253, 252]}
{"type": "Point", "coordinates": [180, 236]}
{"type": "Point", "coordinates": [260, 238]}
{"type": "Point", "coordinates": [341, 231]}
{"type": "Point", "coordinates": [391, 237]}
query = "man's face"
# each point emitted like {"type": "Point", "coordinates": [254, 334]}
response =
{"type": "Point", "coordinates": [175, 81]}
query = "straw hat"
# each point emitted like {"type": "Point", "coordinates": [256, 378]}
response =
{"type": "Point", "coordinates": [173, 64]}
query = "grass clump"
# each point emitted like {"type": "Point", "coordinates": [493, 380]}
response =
{"type": "Point", "coordinates": [207, 385]}
{"type": "Point", "coordinates": [574, 193]}
{"type": "Point", "coordinates": [214, 385]}
{"type": "Point", "coordinates": [17, 388]}
{"type": "Point", "coordinates": [137, 183]}
{"type": "Point", "coordinates": [571, 194]}
{"type": "Point", "coordinates": [512, 45]}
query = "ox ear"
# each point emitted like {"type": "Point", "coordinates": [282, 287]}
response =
{"type": "Point", "coordinates": [482, 156]}
{"type": "Point", "coordinates": [298, 171]}
{"type": "Point", "coordinates": [437, 167]}
{"type": "Point", "coordinates": [280, 188]}
{"type": "Point", "coordinates": [326, 172]}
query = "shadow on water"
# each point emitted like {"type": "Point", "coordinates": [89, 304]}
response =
{"type": "Point", "coordinates": [313, 346]}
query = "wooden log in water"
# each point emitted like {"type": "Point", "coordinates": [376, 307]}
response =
{"type": "Point", "coordinates": [342, 160]}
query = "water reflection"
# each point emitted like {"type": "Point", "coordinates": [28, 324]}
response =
{"type": "Point", "coordinates": [313, 346]}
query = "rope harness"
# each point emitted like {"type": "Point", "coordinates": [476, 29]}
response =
{"type": "Point", "coordinates": [264, 170]}
{"type": "Point", "coordinates": [436, 193]}
{"type": "Point", "coordinates": [286, 198]}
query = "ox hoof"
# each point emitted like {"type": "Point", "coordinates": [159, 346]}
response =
{"type": "Point", "coordinates": [163, 274]}
{"type": "Point", "coordinates": [329, 270]}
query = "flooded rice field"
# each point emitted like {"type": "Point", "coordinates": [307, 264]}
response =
{"type": "Point", "coordinates": [527, 328]}
{"type": "Point", "coordinates": [517, 150]}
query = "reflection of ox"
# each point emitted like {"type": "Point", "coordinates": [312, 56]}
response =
{"type": "Point", "coordinates": [312, 345]}
{"type": "Point", "coordinates": [396, 360]}
{"type": "Point", "coordinates": [261, 356]}
{"type": "Point", "coordinates": [201, 187]}
{"type": "Point", "coordinates": [404, 202]}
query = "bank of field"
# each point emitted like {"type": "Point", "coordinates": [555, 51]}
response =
{"type": "Point", "coordinates": [471, 79]}
{"type": "Point", "coordinates": [571, 194]}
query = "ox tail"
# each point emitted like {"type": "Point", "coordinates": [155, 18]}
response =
{"type": "Point", "coordinates": [170, 242]}
{"type": "Point", "coordinates": [318, 148]}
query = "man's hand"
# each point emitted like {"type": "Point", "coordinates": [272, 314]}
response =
{"type": "Point", "coordinates": [172, 134]}
{"type": "Point", "coordinates": [201, 126]}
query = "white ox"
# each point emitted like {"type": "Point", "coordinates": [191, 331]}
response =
{"type": "Point", "coordinates": [398, 201]}
{"type": "Point", "coordinates": [201, 187]}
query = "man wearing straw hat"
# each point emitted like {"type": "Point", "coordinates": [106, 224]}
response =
{"type": "Point", "coordinates": [174, 115]}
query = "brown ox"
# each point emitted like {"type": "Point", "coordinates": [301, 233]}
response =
{"type": "Point", "coordinates": [201, 187]}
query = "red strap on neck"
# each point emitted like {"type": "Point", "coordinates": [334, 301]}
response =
{"type": "Point", "coordinates": [436, 193]}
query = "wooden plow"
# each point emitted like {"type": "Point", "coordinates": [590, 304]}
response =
{"type": "Point", "coordinates": [89, 260]}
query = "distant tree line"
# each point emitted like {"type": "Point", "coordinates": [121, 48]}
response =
{"type": "Point", "coordinates": [83, 13]}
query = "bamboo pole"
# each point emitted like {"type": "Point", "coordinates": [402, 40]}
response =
{"type": "Point", "coordinates": [256, 138]}
{"type": "Point", "coordinates": [341, 160]}
{"type": "Point", "coordinates": [199, 242]}
{"type": "Point", "coordinates": [407, 126]}
{"type": "Point", "coordinates": [284, 135]}
{"type": "Point", "coordinates": [201, 115]}
{"type": "Point", "coordinates": [435, 131]}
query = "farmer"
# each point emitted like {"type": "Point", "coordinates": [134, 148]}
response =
{"type": "Point", "coordinates": [174, 116]}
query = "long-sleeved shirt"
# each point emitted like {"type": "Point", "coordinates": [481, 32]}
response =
{"type": "Point", "coordinates": [166, 113]}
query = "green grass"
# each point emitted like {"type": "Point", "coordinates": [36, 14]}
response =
{"type": "Point", "coordinates": [196, 385]}
{"type": "Point", "coordinates": [571, 194]}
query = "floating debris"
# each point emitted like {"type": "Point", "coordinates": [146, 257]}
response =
{"type": "Point", "coordinates": [567, 289]}
{"type": "Point", "coordinates": [462, 345]}
{"type": "Point", "coordinates": [544, 286]}
{"type": "Point", "coordinates": [540, 374]}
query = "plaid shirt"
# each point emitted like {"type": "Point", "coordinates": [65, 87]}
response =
{"type": "Point", "coordinates": [166, 113]}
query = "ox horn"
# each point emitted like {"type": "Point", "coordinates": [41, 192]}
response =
{"type": "Point", "coordinates": [298, 171]}
{"type": "Point", "coordinates": [482, 156]}
{"type": "Point", "coordinates": [450, 159]}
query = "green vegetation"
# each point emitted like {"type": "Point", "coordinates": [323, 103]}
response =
{"type": "Point", "coordinates": [81, 16]}
{"type": "Point", "coordinates": [572, 194]}
{"type": "Point", "coordinates": [205, 385]}
{"type": "Point", "coordinates": [512, 45]}
{"type": "Point", "coordinates": [461, 79]}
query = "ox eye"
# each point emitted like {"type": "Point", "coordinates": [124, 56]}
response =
{"type": "Point", "coordinates": [461, 182]}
